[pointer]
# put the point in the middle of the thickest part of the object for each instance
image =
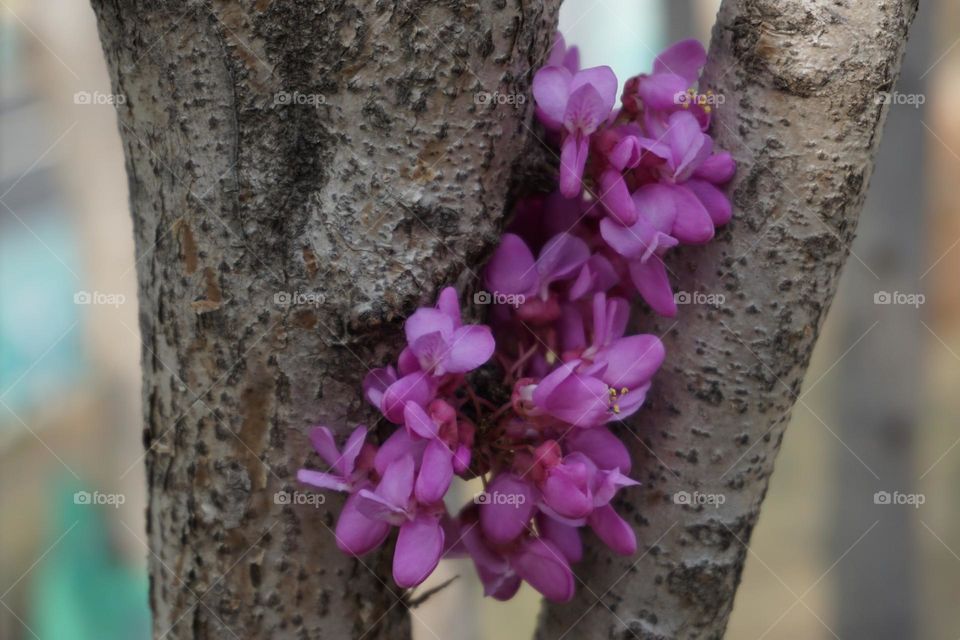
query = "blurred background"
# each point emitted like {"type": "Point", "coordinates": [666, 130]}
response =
{"type": "Point", "coordinates": [876, 423]}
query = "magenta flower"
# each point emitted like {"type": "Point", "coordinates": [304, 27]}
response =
{"type": "Point", "coordinates": [420, 542]}
{"type": "Point", "coordinates": [501, 568]}
{"type": "Point", "coordinates": [390, 394]}
{"type": "Point", "coordinates": [442, 344]}
{"type": "Point", "coordinates": [346, 473]}
{"type": "Point", "coordinates": [573, 398]}
{"type": "Point", "coordinates": [512, 269]}
{"type": "Point", "coordinates": [675, 71]}
{"type": "Point", "coordinates": [576, 103]}
{"type": "Point", "coordinates": [355, 533]}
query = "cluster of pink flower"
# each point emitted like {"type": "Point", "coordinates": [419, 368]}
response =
{"type": "Point", "coordinates": [523, 403]}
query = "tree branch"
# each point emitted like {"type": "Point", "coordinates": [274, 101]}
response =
{"type": "Point", "coordinates": [301, 175]}
{"type": "Point", "coordinates": [801, 116]}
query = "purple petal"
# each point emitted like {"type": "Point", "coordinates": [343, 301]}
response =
{"type": "Point", "coordinates": [693, 224]}
{"type": "Point", "coordinates": [470, 347]}
{"type": "Point", "coordinates": [603, 80]}
{"type": "Point", "coordinates": [613, 530]}
{"type": "Point", "coordinates": [596, 275]}
{"type": "Point", "coordinates": [461, 458]}
{"type": "Point", "coordinates": [685, 59]}
{"type": "Point", "coordinates": [396, 485]}
{"type": "Point", "coordinates": [416, 420]}
{"type": "Point", "coordinates": [586, 110]}
{"type": "Point", "coordinates": [322, 480]}
{"type": "Point", "coordinates": [551, 90]}
{"type": "Point", "coordinates": [355, 533]}
{"type": "Point", "coordinates": [544, 567]}
{"type": "Point", "coordinates": [632, 361]}
{"type": "Point", "coordinates": [606, 450]}
{"type": "Point", "coordinates": [351, 450]}
{"type": "Point", "coordinates": [712, 199]}
{"type": "Point", "coordinates": [661, 91]}
{"type": "Point", "coordinates": [376, 382]}
{"type": "Point", "coordinates": [616, 197]}
{"type": "Point", "coordinates": [689, 145]}
{"type": "Point", "coordinates": [498, 578]}
{"type": "Point", "coordinates": [578, 400]}
{"type": "Point", "coordinates": [427, 321]}
{"type": "Point", "coordinates": [511, 268]}
{"type": "Point", "coordinates": [650, 279]}
{"type": "Point", "coordinates": [607, 483]}
{"type": "Point", "coordinates": [399, 444]}
{"type": "Point", "coordinates": [419, 546]}
{"type": "Point", "coordinates": [561, 257]}
{"type": "Point", "coordinates": [323, 443]}
{"type": "Point", "coordinates": [573, 159]}
{"type": "Point", "coordinates": [564, 494]}
{"type": "Point", "coordinates": [436, 472]}
{"type": "Point", "coordinates": [376, 507]}
{"type": "Point", "coordinates": [572, 333]}
{"type": "Point", "coordinates": [508, 507]}
{"type": "Point", "coordinates": [656, 204]}
{"type": "Point", "coordinates": [449, 304]}
{"type": "Point", "coordinates": [631, 242]}
{"type": "Point", "coordinates": [416, 387]}
{"type": "Point", "coordinates": [718, 168]}
{"type": "Point", "coordinates": [626, 153]}
{"type": "Point", "coordinates": [562, 536]}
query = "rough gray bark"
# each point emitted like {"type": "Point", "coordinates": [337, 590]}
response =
{"type": "Point", "coordinates": [800, 79]}
{"type": "Point", "coordinates": [375, 180]}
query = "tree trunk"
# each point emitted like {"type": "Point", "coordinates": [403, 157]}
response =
{"type": "Point", "coordinates": [301, 175]}
{"type": "Point", "coordinates": [801, 116]}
